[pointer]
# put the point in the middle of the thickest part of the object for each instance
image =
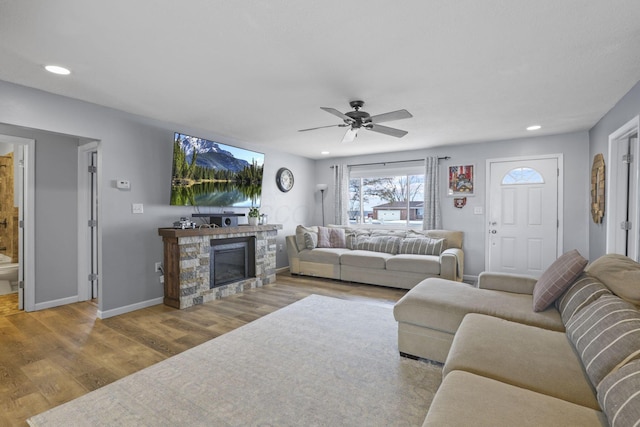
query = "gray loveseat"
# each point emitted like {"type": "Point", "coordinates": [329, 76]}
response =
{"type": "Point", "coordinates": [389, 257]}
{"type": "Point", "coordinates": [575, 363]}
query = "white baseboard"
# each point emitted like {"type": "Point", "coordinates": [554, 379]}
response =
{"type": "Point", "coordinates": [282, 269]}
{"type": "Point", "coordinates": [55, 303]}
{"type": "Point", "coordinates": [127, 308]}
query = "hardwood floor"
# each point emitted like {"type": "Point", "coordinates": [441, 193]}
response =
{"type": "Point", "coordinates": [9, 304]}
{"type": "Point", "coordinates": [52, 356]}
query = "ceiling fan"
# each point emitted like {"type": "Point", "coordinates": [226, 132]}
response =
{"type": "Point", "coordinates": [358, 119]}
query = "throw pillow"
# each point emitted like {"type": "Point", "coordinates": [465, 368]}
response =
{"type": "Point", "coordinates": [310, 240]}
{"type": "Point", "coordinates": [300, 230]}
{"type": "Point", "coordinates": [557, 278]}
{"type": "Point", "coordinates": [387, 244]}
{"type": "Point", "coordinates": [331, 238]}
{"type": "Point", "coordinates": [605, 335]}
{"type": "Point", "coordinates": [421, 246]}
{"type": "Point", "coordinates": [620, 274]}
{"type": "Point", "coordinates": [585, 290]}
{"type": "Point", "coordinates": [619, 397]}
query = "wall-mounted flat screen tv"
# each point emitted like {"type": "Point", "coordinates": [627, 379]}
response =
{"type": "Point", "coordinates": [208, 173]}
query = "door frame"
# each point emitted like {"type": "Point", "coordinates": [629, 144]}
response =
{"type": "Point", "coordinates": [560, 192]}
{"type": "Point", "coordinates": [27, 216]}
{"type": "Point", "coordinates": [84, 189]}
{"type": "Point", "coordinates": [613, 205]}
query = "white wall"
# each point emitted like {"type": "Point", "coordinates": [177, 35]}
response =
{"type": "Point", "coordinates": [574, 146]}
{"type": "Point", "coordinates": [137, 149]}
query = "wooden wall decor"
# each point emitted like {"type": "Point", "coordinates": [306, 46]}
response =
{"type": "Point", "coordinates": [597, 188]}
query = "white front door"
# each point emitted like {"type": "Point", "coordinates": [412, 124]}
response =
{"type": "Point", "coordinates": [523, 216]}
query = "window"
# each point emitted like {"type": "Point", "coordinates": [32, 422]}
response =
{"type": "Point", "coordinates": [387, 196]}
{"type": "Point", "coordinates": [522, 176]}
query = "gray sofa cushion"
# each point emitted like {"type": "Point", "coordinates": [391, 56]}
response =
{"type": "Point", "coordinates": [606, 335]}
{"type": "Point", "coordinates": [619, 273]}
{"type": "Point", "coordinates": [580, 294]}
{"type": "Point", "coordinates": [426, 264]}
{"type": "Point", "coordinates": [322, 255]}
{"type": "Point", "coordinates": [466, 399]}
{"type": "Point", "coordinates": [367, 259]}
{"type": "Point", "coordinates": [619, 395]}
{"type": "Point", "coordinates": [533, 358]}
{"type": "Point", "coordinates": [442, 304]}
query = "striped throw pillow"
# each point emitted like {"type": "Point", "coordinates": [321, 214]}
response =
{"type": "Point", "coordinates": [331, 238]}
{"type": "Point", "coordinates": [605, 334]}
{"type": "Point", "coordinates": [388, 244]}
{"type": "Point", "coordinates": [421, 246]}
{"type": "Point", "coordinates": [585, 290]}
{"type": "Point", "coordinates": [619, 395]}
{"type": "Point", "coordinates": [310, 240]}
{"type": "Point", "coordinates": [557, 278]}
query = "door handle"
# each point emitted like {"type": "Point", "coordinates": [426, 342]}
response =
{"type": "Point", "coordinates": [493, 231]}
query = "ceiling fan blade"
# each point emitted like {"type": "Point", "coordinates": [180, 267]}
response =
{"type": "Point", "coordinates": [341, 125]}
{"type": "Point", "coordinates": [387, 130]}
{"type": "Point", "coordinates": [350, 135]}
{"type": "Point", "coordinates": [393, 115]}
{"type": "Point", "coordinates": [337, 113]}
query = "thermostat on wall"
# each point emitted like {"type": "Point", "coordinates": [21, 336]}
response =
{"type": "Point", "coordinates": [123, 184]}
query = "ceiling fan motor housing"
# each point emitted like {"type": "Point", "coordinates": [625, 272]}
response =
{"type": "Point", "coordinates": [359, 117]}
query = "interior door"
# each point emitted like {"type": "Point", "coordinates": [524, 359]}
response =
{"type": "Point", "coordinates": [523, 215]}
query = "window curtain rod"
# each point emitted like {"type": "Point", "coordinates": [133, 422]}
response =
{"type": "Point", "coordinates": [388, 163]}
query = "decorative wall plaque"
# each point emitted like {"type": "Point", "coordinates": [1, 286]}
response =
{"type": "Point", "coordinates": [597, 188]}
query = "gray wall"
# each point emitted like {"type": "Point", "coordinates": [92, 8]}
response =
{"type": "Point", "coordinates": [56, 212]}
{"type": "Point", "coordinates": [574, 147]}
{"type": "Point", "coordinates": [137, 149]}
{"type": "Point", "coordinates": [626, 109]}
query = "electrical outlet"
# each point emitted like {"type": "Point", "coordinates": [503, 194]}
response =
{"type": "Point", "coordinates": [281, 247]}
{"type": "Point", "coordinates": [162, 279]}
{"type": "Point", "coordinates": [158, 267]}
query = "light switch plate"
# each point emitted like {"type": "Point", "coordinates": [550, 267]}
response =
{"type": "Point", "coordinates": [137, 208]}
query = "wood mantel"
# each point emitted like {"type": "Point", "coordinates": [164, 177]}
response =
{"type": "Point", "coordinates": [186, 262]}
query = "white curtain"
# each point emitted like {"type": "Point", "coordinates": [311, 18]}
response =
{"type": "Point", "coordinates": [341, 192]}
{"type": "Point", "coordinates": [432, 219]}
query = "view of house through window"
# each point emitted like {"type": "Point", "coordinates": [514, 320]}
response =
{"type": "Point", "coordinates": [396, 200]}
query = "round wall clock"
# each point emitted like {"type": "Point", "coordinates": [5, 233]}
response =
{"type": "Point", "coordinates": [284, 179]}
{"type": "Point", "coordinates": [597, 188]}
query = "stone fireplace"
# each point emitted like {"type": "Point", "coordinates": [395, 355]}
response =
{"type": "Point", "coordinates": [190, 262]}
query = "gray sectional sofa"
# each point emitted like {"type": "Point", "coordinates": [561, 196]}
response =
{"type": "Point", "coordinates": [574, 363]}
{"type": "Point", "coordinates": [387, 257]}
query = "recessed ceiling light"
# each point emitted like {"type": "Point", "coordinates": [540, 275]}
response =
{"type": "Point", "coordinates": [534, 127]}
{"type": "Point", "coordinates": [324, 153]}
{"type": "Point", "coordinates": [55, 69]}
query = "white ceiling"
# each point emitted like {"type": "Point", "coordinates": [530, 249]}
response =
{"type": "Point", "coordinates": [258, 70]}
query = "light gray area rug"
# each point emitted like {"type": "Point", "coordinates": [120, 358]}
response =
{"type": "Point", "coordinates": [318, 362]}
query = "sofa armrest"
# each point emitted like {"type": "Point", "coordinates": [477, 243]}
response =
{"type": "Point", "coordinates": [452, 264]}
{"type": "Point", "coordinates": [515, 283]}
{"type": "Point", "coordinates": [293, 254]}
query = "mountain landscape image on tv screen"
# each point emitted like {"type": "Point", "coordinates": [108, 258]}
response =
{"type": "Point", "coordinates": [208, 173]}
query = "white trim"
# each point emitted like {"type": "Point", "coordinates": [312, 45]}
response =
{"type": "Point", "coordinates": [467, 278]}
{"type": "Point", "coordinates": [611, 205]}
{"type": "Point", "coordinates": [83, 218]}
{"type": "Point", "coordinates": [128, 308]}
{"type": "Point", "coordinates": [560, 230]}
{"type": "Point", "coordinates": [56, 303]}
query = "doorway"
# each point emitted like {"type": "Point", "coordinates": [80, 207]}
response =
{"type": "Point", "coordinates": [622, 209]}
{"type": "Point", "coordinates": [16, 223]}
{"type": "Point", "coordinates": [524, 213]}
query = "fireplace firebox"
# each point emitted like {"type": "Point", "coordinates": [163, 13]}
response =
{"type": "Point", "coordinates": [231, 260]}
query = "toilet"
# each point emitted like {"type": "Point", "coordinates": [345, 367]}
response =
{"type": "Point", "coordinates": [9, 271]}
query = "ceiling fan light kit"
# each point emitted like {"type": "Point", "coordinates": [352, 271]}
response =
{"type": "Point", "coordinates": [358, 119]}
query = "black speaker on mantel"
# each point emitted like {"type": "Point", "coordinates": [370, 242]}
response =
{"type": "Point", "coordinates": [227, 219]}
